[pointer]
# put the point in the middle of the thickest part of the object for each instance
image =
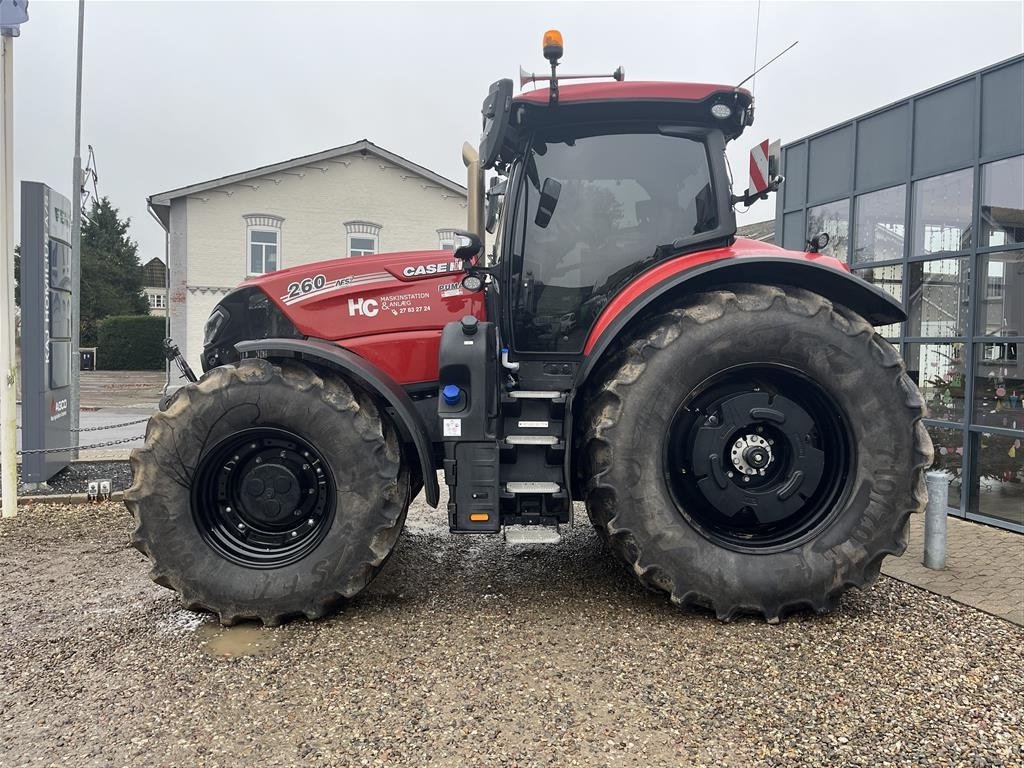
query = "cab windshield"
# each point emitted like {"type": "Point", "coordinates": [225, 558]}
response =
{"type": "Point", "coordinates": [611, 205]}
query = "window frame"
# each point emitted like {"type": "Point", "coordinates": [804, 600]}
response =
{"type": "Point", "coordinates": [361, 230]}
{"type": "Point", "coordinates": [350, 250]}
{"type": "Point", "coordinates": [249, 271]}
{"type": "Point", "coordinates": [263, 222]}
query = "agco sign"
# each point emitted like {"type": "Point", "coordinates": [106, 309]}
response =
{"type": "Point", "coordinates": [47, 330]}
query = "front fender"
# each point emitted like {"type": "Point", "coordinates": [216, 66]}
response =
{"type": "Point", "coordinates": [367, 375]}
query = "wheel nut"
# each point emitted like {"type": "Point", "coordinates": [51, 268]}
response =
{"type": "Point", "coordinates": [241, 526]}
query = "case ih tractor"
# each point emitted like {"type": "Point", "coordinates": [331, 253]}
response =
{"type": "Point", "coordinates": [740, 436]}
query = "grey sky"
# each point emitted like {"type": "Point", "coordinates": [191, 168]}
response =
{"type": "Point", "coordinates": [180, 92]}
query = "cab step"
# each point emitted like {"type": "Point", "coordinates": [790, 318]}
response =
{"type": "Point", "coordinates": [532, 487]}
{"type": "Point", "coordinates": [537, 394]}
{"type": "Point", "coordinates": [532, 440]}
{"type": "Point", "coordinates": [531, 534]}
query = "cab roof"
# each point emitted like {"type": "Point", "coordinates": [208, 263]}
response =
{"type": "Point", "coordinates": [641, 90]}
{"type": "Point", "coordinates": [688, 103]}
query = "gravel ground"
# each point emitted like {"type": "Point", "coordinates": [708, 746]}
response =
{"type": "Point", "coordinates": [75, 479]}
{"type": "Point", "coordinates": [466, 653]}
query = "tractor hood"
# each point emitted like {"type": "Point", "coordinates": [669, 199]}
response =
{"type": "Point", "coordinates": [358, 301]}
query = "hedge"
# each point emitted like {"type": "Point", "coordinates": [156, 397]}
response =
{"type": "Point", "coordinates": [131, 343]}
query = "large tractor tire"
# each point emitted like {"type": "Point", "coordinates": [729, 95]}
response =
{"type": "Point", "coordinates": [268, 492]}
{"type": "Point", "coordinates": [757, 450]}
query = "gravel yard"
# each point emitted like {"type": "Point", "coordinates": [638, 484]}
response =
{"type": "Point", "coordinates": [466, 653]}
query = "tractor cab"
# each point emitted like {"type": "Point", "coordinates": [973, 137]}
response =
{"type": "Point", "coordinates": [601, 182]}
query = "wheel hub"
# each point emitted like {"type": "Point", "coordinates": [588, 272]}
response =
{"type": "Point", "coordinates": [270, 492]}
{"type": "Point", "coordinates": [751, 454]}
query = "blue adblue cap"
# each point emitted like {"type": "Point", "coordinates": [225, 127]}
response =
{"type": "Point", "coordinates": [451, 394]}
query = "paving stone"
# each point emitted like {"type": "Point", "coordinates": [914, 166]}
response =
{"type": "Point", "coordinates": [984, 567]}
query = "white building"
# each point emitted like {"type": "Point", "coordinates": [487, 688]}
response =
{"type": "Point", "coordinates": [342, 202]}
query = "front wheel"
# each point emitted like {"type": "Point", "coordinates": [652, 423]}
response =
{"type": "Point", "coordinates": [268, 491]}
{"type": "Point", "coordinates": [789, 452]}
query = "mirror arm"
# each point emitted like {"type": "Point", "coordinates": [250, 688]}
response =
{"type": "Point", "coordinates": [748, 198]}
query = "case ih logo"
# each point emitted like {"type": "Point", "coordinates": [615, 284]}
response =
{"type": "Point", "coordinates": [432, 269]}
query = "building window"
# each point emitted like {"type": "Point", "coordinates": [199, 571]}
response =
{"type": "Point", "coordinates": [879, 227]}
{"type": "Point", "coordinates": [363, 238]}
{"type": "Point", "coordinates": [446, 239]}
{"type": "Point", "coordinates": [1001, 304]}
{"type": "Point", "coordinates": [263, 243]}
{"type": "Point", "coordinates": [361, 245]}
{"type": "Point", "coordinates": [156, 301]}
{"type": "Point", "coordinates": [939, 293]}
{"type": "Point", "coordinates": [263, 251]}
{"type": "Point", "coordinates": [938, 370]}
{"type": "Point", "coordinates": [999, 488]}
{"type": "Point", "coordinates": [942, 213]}
{"type": "Point", "coordinates": [889, 278]}
{"type": "Point", "coordinates": [833, 219]}
{"type": "Point", "coordinates": [1002, 202]}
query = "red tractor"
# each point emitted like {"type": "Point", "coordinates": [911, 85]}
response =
{"type": "Point", "coordinates": [740, 435]}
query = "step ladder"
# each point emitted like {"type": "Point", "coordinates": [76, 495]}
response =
{"type": "Point", "coordinates": [534, 499]}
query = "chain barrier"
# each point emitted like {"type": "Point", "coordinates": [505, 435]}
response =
{"type": "Point", "coordinates": [112, 426]}
{"type": "Point", "coordinates": [107, 444]}
{"type": "Point", "coordinates": [108, 426]}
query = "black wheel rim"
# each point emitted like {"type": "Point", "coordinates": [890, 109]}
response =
{"type": "Point", "coordinates": [263, 498]}
{"type": "Point", "coordinates": [758, 458]}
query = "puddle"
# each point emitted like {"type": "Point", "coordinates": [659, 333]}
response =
{"type": "Point", "coordinates": [239, 640]}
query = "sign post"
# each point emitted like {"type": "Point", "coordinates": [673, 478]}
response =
{"type": "Point", "coordinates": [13, 13]}
{"type": "Point", "coordinates": [76, 238]}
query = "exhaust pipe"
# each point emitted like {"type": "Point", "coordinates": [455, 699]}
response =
{"type": "Point", "coordinates": [475, 187]}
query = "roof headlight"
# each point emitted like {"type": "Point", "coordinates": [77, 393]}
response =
{"type": "Point", "coordinates": [721, 111]}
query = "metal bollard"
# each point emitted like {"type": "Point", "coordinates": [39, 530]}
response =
{"type": "Point", "coordinates": [935, 520]}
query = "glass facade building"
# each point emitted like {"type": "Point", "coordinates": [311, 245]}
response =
{"type": "Point", "coordinates": [925, 199]}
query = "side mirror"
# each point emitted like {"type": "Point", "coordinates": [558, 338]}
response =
{"type": "Point", "coordinates": [494, 194]}
{"type": "Point", "coordinates": [466, 252]}
{"type": "Point", "coordinates": [549, 194]}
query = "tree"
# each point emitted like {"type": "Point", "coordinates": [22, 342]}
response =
{"type": "Point", "coordinates": [111, 273]}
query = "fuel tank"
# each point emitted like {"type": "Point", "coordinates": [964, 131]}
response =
{"type": "Point", "coordinates": [389, 308]}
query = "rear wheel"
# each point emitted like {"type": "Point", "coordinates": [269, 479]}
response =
{"type": "Point", "coordinates": [790, 452]}
{"type": "Point", "coordinates": [266, 492]}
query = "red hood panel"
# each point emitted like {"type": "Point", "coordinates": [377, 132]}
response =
{"type": "Point", "coordinates": [373, 296]}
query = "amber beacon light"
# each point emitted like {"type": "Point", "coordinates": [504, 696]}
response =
{"type": "Point", "coordinates": [552, 45]}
